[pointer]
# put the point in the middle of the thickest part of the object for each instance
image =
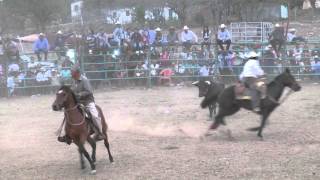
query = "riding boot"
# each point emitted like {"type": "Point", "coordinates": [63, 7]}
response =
{"type": "Point", "coordinates": [98, 129]}
{"type": "Point", "coordinates": [65, 139]}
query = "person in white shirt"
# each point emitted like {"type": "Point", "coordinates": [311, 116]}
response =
{"type": "Point", "coordinates": [223, 37]}
{"type": "Point", "coordinates": [292, 37]}
{"type": "Point", "coordinates": [188, 37]}
{"type": "Point", "coordinates": [119, 34]}
{"type": "Point", "coordinates": [250, 76]}
{"type": "Point", "coordinates": [204, 71]}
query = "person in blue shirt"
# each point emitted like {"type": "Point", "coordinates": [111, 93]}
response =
{"type": "Point", "coordinates": [223, 38]}
{"type": "Point", "coordinates": [41, 46]}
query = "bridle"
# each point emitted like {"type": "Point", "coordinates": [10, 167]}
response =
{"type": "Point", "coordinates": [68, 119]}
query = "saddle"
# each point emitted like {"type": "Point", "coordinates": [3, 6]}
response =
{"type": "Point", "coordinates": [242, 91]}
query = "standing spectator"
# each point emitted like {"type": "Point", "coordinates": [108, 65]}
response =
{"type": "Point", "coordinates": [55, 79]}
{"type": "Point", "coordinates": [136, 40]}
{"type": "Point", "coordinates": [206, 35]}
{"type": "Point", "coordinates": [277, 38]}
{"type": "Point", "coordinates": [11, 50]}
{"type": "Point", "coordinates": [172, 36]}
{"type": "Point", "coordinates": [188, 38]}
{"type": "Point", "coordinates": [41, 46]}
{"type": "Point", "coordinates": [119, 34]}
{"type": "Point", "coordinates": [204, 72]}
{"type": "Point", "coordinates": [91, 42]}
{"type": "Point", "coordinates": [59, 44]}
{"type": "Point", "coordinates": [151, 36]}
{"type": "Point", "coordinates": [11, 85]}
{"type": "Point", "coordinates": [14, 68]}
{"type": "Point", "coordinates": [159, 37]}
{"type": "Point", "coordinates": [316, 67]}
{"type": "Point", "coordinates": [224, 37]}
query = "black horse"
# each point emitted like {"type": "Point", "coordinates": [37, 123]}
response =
{"type": "Point", "coordinates": [228, 104]}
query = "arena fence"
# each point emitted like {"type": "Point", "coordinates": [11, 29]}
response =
{"type": "Point", "coordinates": [173, 64]}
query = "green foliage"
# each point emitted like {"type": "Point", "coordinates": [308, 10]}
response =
{"type": "Point", "coordinates": [139, 14]}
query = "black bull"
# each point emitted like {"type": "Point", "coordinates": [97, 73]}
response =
{"type": "Point", "coordinates": [210, 90]}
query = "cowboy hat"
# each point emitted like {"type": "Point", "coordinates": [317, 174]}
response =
{"type": "Point", "coordinates": [222, 26]}
{"type": "Point", "coordinates": [185, 28]}
{"type": "Point", "coordinates": [292, 30]}
{"type": "Point", "coordinates": [158, 29]}
{"type": "Point", "coordinates": [277, 25]}
{"type": "Point", "coordinates": [252, 54]}
{"type": "Point", "coordinates": [59, 32]}
{"type": "Point", "coordinates": [41, 34]}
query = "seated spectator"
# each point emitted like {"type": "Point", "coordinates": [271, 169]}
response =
{"type": "Point", "coordinates": [291, 36]}
{"type": "Point", "coordinates": [206, 35]}
{"type": "Point", "coordinates": [223, 38]}
{"type": "Point", "coordinates": [172, 36]}
{"type": "Point", "coordinates": [102, 42]}
{"type": "Point", "coordinates": [277, 38]}
{"type": "Point", "coordinates": [67, 62]}
{"type": "Point", "coordinates": [188, 38]}
{"type": "Point", "coordinates": [32, 64]}
{"type": "Point", "coordinates": [41, 46]}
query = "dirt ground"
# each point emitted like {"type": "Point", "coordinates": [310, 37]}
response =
{"type": "Point", "coordinates": [156, 134]}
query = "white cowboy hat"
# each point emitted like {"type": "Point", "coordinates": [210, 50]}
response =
{"type": "Point", "coordinates": [252, 54]}
{"type": "Point", "coordinates": [59, 32]}
{"type": "Point", "coordinates": [222, 26]}
{"type": "Point", "coordinates": [41, 34]}
{"type": "Point", "coordinates": [277, 25]}
{"type": "Point", "coordinates": [158, 29]}
{"type": "Point", "coordinates": [118, 23]}
{"type": "Point", "coordinates": [292, 30]}
{"type": "Point", "coordinates": [185, 28]}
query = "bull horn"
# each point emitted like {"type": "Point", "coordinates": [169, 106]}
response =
{"type": "Point", "coordinates": [208, 82]}
{"type": "Point", "coordinates": [195, 83]}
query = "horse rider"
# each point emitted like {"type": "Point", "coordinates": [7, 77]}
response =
{"type": "Point", "coordinates": [83, 91]}
{"type": "Point", "coordinates": [250, 76]}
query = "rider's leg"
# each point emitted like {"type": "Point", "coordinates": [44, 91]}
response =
{"type": "Point", "coordinates": [63, 136]}
{"type": "Point", "coordinates": [219, 42]}
{"type": "Point", "coordinates": [95, 118]}
{"type": "Point", "coordinates": [228, 42]}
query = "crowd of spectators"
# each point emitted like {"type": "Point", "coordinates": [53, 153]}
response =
{"type": "Point", "coordinates": [157, 53]}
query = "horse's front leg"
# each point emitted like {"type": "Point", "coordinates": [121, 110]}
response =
{"type": "Point", "coordinates": [93, 145]}
{"type": "Point", "coordinates": [86, 154]}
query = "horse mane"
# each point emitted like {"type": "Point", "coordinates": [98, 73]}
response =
{"type": "Point", "coordinates": [69, 90]}
{"type": "Point", "coordinates": [276, 79]}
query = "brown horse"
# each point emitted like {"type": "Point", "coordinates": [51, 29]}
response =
{"type": "Point", "coordinates": [78, 128]}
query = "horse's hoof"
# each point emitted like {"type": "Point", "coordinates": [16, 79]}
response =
{"type": "Point", "coordinates": [93, 172]}
{"type": "Point", "coordinates": [111, 160]}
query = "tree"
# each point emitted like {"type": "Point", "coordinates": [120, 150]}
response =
{"type": "Point", "coordinates": [180, 7]}
{"type": "Point", "coordinates": [139, 14]}
{"type": "Point", "coordinates": [41, 12]}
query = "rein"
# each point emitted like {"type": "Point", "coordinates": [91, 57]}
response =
{"type": "Point", "coordinates": [68, 119]}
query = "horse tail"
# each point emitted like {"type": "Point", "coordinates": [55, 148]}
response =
{"type": "Point", "coordinates": [254, 129]}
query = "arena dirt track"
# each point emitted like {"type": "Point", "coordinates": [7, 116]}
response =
{"type": "Point", "coordinates": [155, 134]}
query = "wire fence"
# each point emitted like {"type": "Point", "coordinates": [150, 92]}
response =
{"type": "Point", "coordinates": [159, 65]}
